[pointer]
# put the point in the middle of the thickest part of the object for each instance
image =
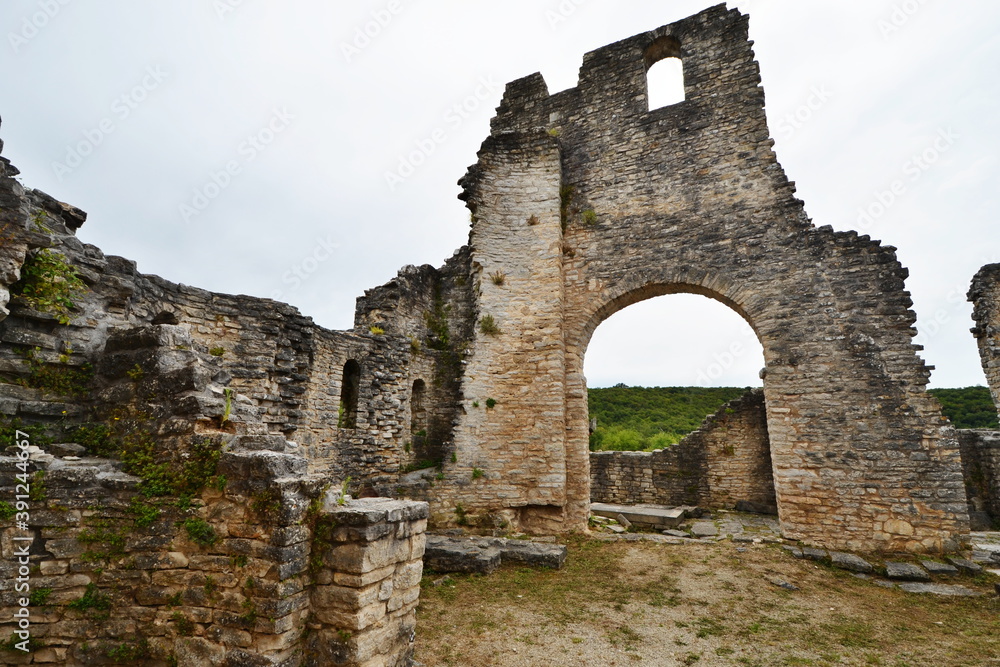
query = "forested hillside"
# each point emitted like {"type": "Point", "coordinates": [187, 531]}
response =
{"type": "Point", "coordinates": [647, 418]}
{"type": "Point", "coordinates": [970, 407]}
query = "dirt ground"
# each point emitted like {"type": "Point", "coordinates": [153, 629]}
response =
{"type": "Point", "coordinates": [639, 603]}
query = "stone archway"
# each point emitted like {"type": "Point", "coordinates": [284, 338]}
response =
{"type": "Point", "coordinates": [586, 202]}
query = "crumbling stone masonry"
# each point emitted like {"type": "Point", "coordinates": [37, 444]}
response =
{"type": "Point", "coordinates": [981, 464]}
{"type": "Point", "coordinates": [981, 449]}
{"type": "Point", "coordinates": [724, 464]}
{"type": "Point", "coordinates": [237, 417]}
{"type": "Point", "coordinates": [586, 201]}
{"type": "Point", "coordinates": [985, 295]}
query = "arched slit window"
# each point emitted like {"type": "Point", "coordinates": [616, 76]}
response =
{"type": "Point", "coordinates": [418, 414]}
{"type": "Point", "coordinates": [664, 73]}
{"type": "Point", "coordinates": [348, 417]}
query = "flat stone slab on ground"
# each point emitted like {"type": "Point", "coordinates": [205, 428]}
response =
{"type": "Point", "coordinates": [906, 572]}
{"type": "Point", "coordinates": [938, 589]}
{"type": "Point", "coordinates": [781, 583]}
{"type": "Point", "coordinates": [814, 554]}
{"type": "Point", "coordinates": [648, 515]}
{"type": "Point", "coordinates": [939, 568]}
{"type": "Point", "coordinates": [966, 566]}
{"type": "Point", "coordinates": [485, 554]}
{"type": "Point", "coordinates": [704, 529]}
{"type": "Point", "coordinates": [673, 532]}
{"type": "Point", "coordinates": [535, 554]}
{"type": "Point", "coordinates": [448, 554]}
{"type": "Point", "coordinates": [851, 562]}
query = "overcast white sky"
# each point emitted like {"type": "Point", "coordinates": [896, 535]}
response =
{"type": "Point", "coordinates": [126, 108]}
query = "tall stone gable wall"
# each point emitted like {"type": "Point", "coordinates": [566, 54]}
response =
{"type": "Point", "coordinates": [589, 202]}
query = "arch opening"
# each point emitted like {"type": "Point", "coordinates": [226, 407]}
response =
{"type": "Point", "coordinates": [678, 377]}
{"type": "Point", "coordinates": [664, 73]}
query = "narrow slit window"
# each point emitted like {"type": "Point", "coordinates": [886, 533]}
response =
{"type": "Point", "coordinates": [351, 383]}
{"type": "Point", "coordinates": [418, 415]}
{"type": "Point", "coordinates": [665, 81]}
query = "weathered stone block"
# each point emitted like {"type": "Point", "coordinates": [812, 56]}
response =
{"type": "Point", "coordinates": [444, 554]}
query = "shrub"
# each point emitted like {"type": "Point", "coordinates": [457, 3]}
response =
{"type": "Point", "coordinates": [489, 326]}
{"type": "Point", "coordinates": [48, 284]}
{"type": "Point", "coordinates": [200, 531]}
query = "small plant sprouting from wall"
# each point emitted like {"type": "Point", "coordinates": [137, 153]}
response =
{"type": "Point", "coordinates": [554, 132]}
{"type": "Point", "coordinates": [589, 216]}
{"type": "Point", "coordinates": [489, 326]}
{"type": "Point", "coordinates": [217, 351]}
{"type": "Point", "coordinates": [135, 373]}
{"type": "Point", "coordinates": [376, 331]}
{"type": "Point", "coordinates": [343, 497]}
{"type": "Point", "coordinates": [498, 278]}
{"type": "Point", "coordinates": [49, 284]}
{"type": "Point", "coordinates": [491, 403]}
{"type": "Point", "coordinates": [477, 473]}
{"type": "Point", "coordinates": [463, 516]}
{"type": "Point", "coordinates": [200, 531]}
{"type": "Point", "coordinates": [93, 603]}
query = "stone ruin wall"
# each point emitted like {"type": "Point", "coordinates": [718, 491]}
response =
{"type": "Point", "coordinates": [253, 564]}
{"type": "Point", "coordinates": [583, 202]}
{"type": "Point", "coordinates": [985, 295]}
{"type": "Point", "coordinates": [604, 216]}
{"type": "Point", "coordinates": [290, 579]}
{"type": "Point", "coordinates": [981, 449]}
{"type": "Point", "coordinates": [588, 202]}
{"type": "Point", "coordinates": [725, 463]}
{"type": "Point", "coordinates": [273, 357]}
{"type": "Point", "coordinates": [981, 467]}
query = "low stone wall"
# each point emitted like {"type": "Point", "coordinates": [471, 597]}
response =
{"type": "Point", "coordinates": [725, 462]}
{"type": "Point", "coordinates": [265, 569]}
{"type": "Point", "coordinates": [981, 467]}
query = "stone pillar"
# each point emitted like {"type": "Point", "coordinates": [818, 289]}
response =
{"type": "Point", "coordinates": [367, 557]}
{"type": "Point", "coordinates": [514, 425]}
